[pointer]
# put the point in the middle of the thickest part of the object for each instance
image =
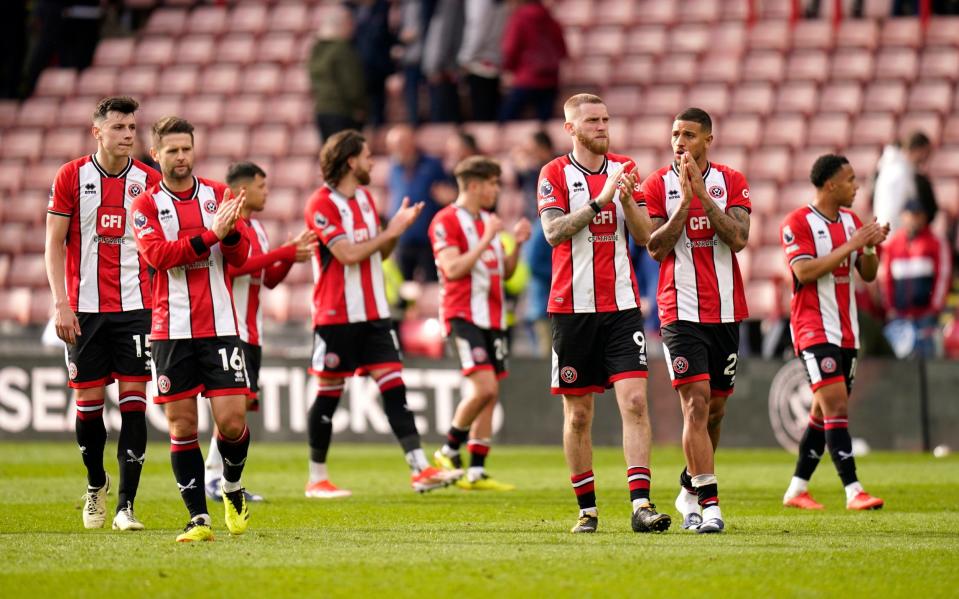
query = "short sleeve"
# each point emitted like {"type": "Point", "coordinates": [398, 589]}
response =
{"type": "Point", "coordinates": [63, 192]}
{"type": "Point", "coordinates": [444, 232]}
{"type": "Point", "coordinates": [653, 196]}
{"type": "Point", "coordinates": [638, 196]}
{"type": "Point", "coordinates": [324, 219]}
{"type": "Point", "coordinates": [797, 241]}
{"type": "Point", "coordinates": [739, 192]}
{"type": "Point", "coordinates": [550, 191]}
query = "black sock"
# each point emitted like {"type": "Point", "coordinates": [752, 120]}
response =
{"type": "Point", "coordinates": [397, 412]}
{"type": "Point", "coordinates": [132, 446]}
{"type": "Point", "coordinates": [188, 470]}
{"type": "Point", "coordinates": [639, 479]}
{"type": "Point", "coordinates": [708, 495]}
{"type": "Point", "coordinates": [811, 449]}
{"type": "Point", "coordinates": [92, 437]}
{"type": "Point", "coordinates": [585, 489]}
{"type": "Point", "coordinates": [234, 452]}
{"type": "Point", "coordinates": [320, 421]}
{"type": "Point", "coordinates": [840, 448]}
{"type": "Point", "coordinates": [686, 481]}
{"type": "Point", "coordinates": [456, 437]}
{"type": "Point", "coordinates": [479, 449]}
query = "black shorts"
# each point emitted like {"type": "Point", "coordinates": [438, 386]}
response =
{"type": "Point", "coordinates": [212, 366]}
{"type": "Point", "coordinates": [479, 348]}
{"type": "Point", "coordinates": [112, 346]}
{"type": "Point", "coordinates": [252, 356]}
{"type": "Point", "coordinates": [702, 352]}
{"type": "Point", "coordinates": [593, 351]}
{"type": "Point", "coordinates": [827, 364]}
{"type": "Point", "coordinates": [342, 350]}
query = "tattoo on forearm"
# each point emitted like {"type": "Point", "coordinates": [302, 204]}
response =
{"type": "Point", "coordinates": [664, 237]}
{"type": "Point", "coordinates": [559, 227]}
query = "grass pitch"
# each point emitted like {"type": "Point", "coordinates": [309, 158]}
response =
{"type": "Point", "coordinates": [388, 541]}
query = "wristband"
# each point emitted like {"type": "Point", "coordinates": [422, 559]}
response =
{"type": "Point", "coordinates": [595, 207]}
{"type": "Point", "coordinates": [869, 250]}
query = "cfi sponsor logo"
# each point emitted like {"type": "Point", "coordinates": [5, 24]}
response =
{"type": "Point", "coordinates": [680, 365]}
{"type": "Point", "coordinates": [789, 402]}
{"type": "Point", "coordinates": [716, 191]}
{"type": "Point", "coordinates": [331, 360]}
{"type": "Point", "coordinates": [828, 365]}
{"type": "Point", "coordinates": [134, 189]}
{"type": "Point", "coordinates": [72, 371]}
{"type": "Point", "coordinates": [163, 383]}
{"type": "Point", "coordinates": [210, 206]}
{"type": "Point", "coordinates": [568, 374]}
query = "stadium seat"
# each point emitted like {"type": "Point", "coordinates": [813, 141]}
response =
{"type": "Point", "coordinates": [155, 50]}
{"type": "Point", "coordinates": [931, 96]}
{"type": "Point", "coordinates": [662, 101]}
{"type": "Point", "coordinates": [270, 140]}
{"type": "Point", "coordinates": [30, 206]}
{"type": "Point", "coordinates": [947, 195]}
{"type": "Point", "coordinates": [857, 33]}
{"type": "Point", "coordinates": [623, 101]}
{"type": "Point", "coordinates": [213, 167]}
{"type": "Point", "coordinates": [950, 131]}
{"type": "Point", "coordinates": [928, 122]}
{"type": "Point", "coordinates": [301, 303]}
{"type": "Point", "coordinates": [803, 160]}
{"type": "Point", "coordinates": [764, 294]}
{"type": "Point", "coordinates": [11, 173]}
{"type": "Point", "coordinates": [295, 80]}
{"type": "Point", "coordinates": [306, 142]}
{"type": "Point", "coordinates": [634, 69]}
{"type": "Point", "coordinates": [15, 305]}
{"type": "Point", "coordinates": [885, 96]}
{"type": "Point", "coordinates": [809, 65]}
{"type": "Point", "coordinates": [38, 112]}
{"type": "Point", "coordinates": [764, 195]}
{"type": "Point", "coordinates": [856, 65]}
{"type": "Point", "coordinates": [285, 205]}
{"type": "Point", "coordinates": [650, 132]}
{"type": "Point", "coordinates": [247, 18]}
{"type": "Point", "coordinates": [289, 109]}
{"type": "Point", "coordinates": [768, 163]}
{"type": "Point", "coordinates": [939, 63]}
{"type": "Point", "coordinates": [204, 110]}
{"type": "Point", "coordinates": [297, 172]}
{"type": "Point", "coordinates": [115, 52]}
{"type": "Point", "coordinates": [195, 50]}
{"type": "Point", "coordinates": [8, 112]}
{"type": "Point", "coordinates": [841, 97]}
{"type": "Point", "coordinates": [943, 31]}
{"type": "Point", "coordinates": [22, 143]}
{"type": "Point", "coordinates": [647, 161]}
{"type": "Point", "coordinates": [863, 160]}
{"type": "Point", "coordinates": [796, 194]}
{"type": "Point", "coordinates": [813, 34]}
{"type": "Point", "coordinates": [714, 99]}
{"type": "Point", "coordinates": [677, 68]}
{"type": "Point", "coordinates": [67, 143]}
{"type": "Point", "coordinates": [516, 133]}
{"type": "Point", "coordinates": [574, 42]}
{"type": "Point", "coordinates": [646, 40]}
{"type": "Point", "coordinates": [280, 48]}
{"type": "Point", "coordinates": [764, 66]}
{"type": "Point", "coordinates": [140, 81]}
{"type": "Point", "coordinates": [757, 97]}
{"type": "Point", "coordinates": [276, 302]}
{"type": "Point", "coordinates": [97, 81]}
{"type": "Point", "coordinates": [829, 130]}
{"type": "Point", "coordinates": [155, 109]}
{"type": "Point", "coordinates": [163, 21]}
{"type": "Point", "coordinates": [767, 263]}
{"type": "Point", "coordinates": [945, 162]}
{"type": "Point", "coordinates": [770, 35]}
{"type": "Point", "coordinates": [785, 130]}
{"type": "Point", "coordinates": [897, 63]}
{"type": "Point", "coordinates": [656, 12]}
{"type": "Point", "coordinates": [873, 128]}
{"type": "Point", "coordinates": [207, 20]}
{"type": "Point", "coordinates": [28, 270]}
{"type": "Point", "coordinates": [732, 156]}
{"type": "Point", "coordinates": [721, 67]}
{"type": "Point", "coordinates": [289, 17]}
{"type": "Point", "coordinates": [797, 96]}
{"type": "Point", "coordinates": [743, 130]}
{"type": "Point", "coordinates": [41, 306]}
{"type": "Point", "coordinates": [705, 11]}
{"type": "Point", "coordinates": [243, 110]}
{"type": "Point", "coordinates": [593, 71]}
{"type": "Point", "coordinates": [900, 32]}
{"type": "Point", "coordinates": [56, 82]}
{"type": "Point", "coordinates": [603, 41]}
{"type": "Point", "coordinates": [261, 78]}
{"type": "Point", "coordinates": [615, 12]}
{"type": "Point", "coordinates": [220, 79]}
{"type": "Point", "coordinates": [11, 237]}
{"type": "Point", "coordinates": [690, 38]}
{"type": "Point", "coordinates": [228, 142]}
{"type": "Point", "coordinates": [180, 80]}
{"type": "Point", "coordinates": [237, 49]}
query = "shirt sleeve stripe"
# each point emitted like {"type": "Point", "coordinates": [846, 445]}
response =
{"type": "Point", "coordinates": [798, 258]}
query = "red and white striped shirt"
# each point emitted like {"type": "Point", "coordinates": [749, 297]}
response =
{"type": "Point", "coordinates": [592, 271]}
{"type": "Point", "coordinates": [262, 267]}
{"type": "Point", "coordinates": [104, 273]}
{"type": "Point", "coordinates": [191, 289]}
{"type": "Point", "coordinates": [478, 296]}
{"type": "Point", "coordinates": [699, 281]}
{"type": "Point", "coordinates": [824, 311]}
{"type": "Point", "coordinates": [344, 294]}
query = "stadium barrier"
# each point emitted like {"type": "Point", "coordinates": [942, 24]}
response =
{"type": "Point", "coordinates": [769, 408]}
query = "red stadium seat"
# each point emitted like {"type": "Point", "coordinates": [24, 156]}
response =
{"type": "Point", "coordinates": [933, 96]}
{"type": "Point", "coordinates": [11, 174]}
{"type": "Point", "coordinates": [271, 140]}
{"type": "Point", "coordinates": [690, 38]}
{"type": "Point", "coordinates": [589, 71]}
{"type": "Point", "coordinates": [8, 112]}
{"type": "Point", "coordinates": [23, 144]}
{"type": "Point", "coordinates": [220, 79]}
{"type": "Point", "coordinates": [41, 305]}
{"type": "Point", "coordinates": [261, 78]}
{"type": "Point", "coordinates": [950, 132]}
{"type": "Point", "coordinates": [647, 161]}
{"type": "Point", "coordinates": [229, 142]}
{"type": "Point", "coordinates": [140, 81]}
{"type": "Point", "coordinates": [706, 11]}
{"type": "Point", "coordinates": [810, 65]}
{"type": "Point", "coordinates": [757, 97]}
{"type": "Point", "coordinates": [829, 130]}
{"type": "Point", "coordinates": [114, 52]}
{"type": "Point", "coordinates": [768, 163]}
{"type": "Point", "coordinates": [295, 80]}
{"type": "Point", "coordinates": [766, 9]}
{"type": "Point", "coordinates": [764, 295]}
{"type": "Point", "coordinates": [729, 155]}
{"type": "Point", "coordinates": [239, 49]}
{"type": "Point", "coordinates": [863, 160]}
{"type": "Point", "coordinates": [30, 206]}
{"type": "Point", "coordinates": [785, 130]}
{"type": "Point", "coordinates": [281, 48]}
{"type": "Point", "coordinates": [901, 32]}
{"type": "Point", "coordinates": [767, 263]}
{"type": "Point", "coordinates": [615, 12]}
{"type": "Point", "coordinates": [206, 111]}
{"type": "Point", "coordinates": [763, 194]}
{"type": "Point", "coordinates": [65, 144]}
{"type": "Point", "coordinates": [857, 33]}
{"type": "Point", "coordinates": [857, 65]}
{"type": "Point", "coordinates": [721, 68]}
{"type": "Point", "coordinates": [947, 195]}
{"type": "Point", "coordinates": [656, 12]}
{"type": "Point", "coordinates": [577, 13]}
{"type": "Point", "coordinates": [897, 63]}
{"type": "Point", "coordinates": [928, 122]}
{"type": "Point", "coordinates": [663, 100]}
{"type": "Point", "coordinates": [634, 69]}
{"type": "Point", "coordinates": [289, 17]}
{"type": "Point", "coordinates": [799, 97]}
{"type": "Point", "coordinates": [296, 172]}
{"type": "Point", "coordinates": [56, 82]}
{"type": "Point", "coordinates": [289, 109]}
{"type": "Point", "coordinates": [885, 96]}
{"type": "Point", "coordinates": [212, 167]}
{"type": "Point", "coordinates": [306, 142]}
{"type": "Point", "coordinates": [943, 31]}
{"type": "Point", "coordinates": [194, 49]}
{"type": "Point", "coordinates": [28, 270]}
{"type": "Point", "coordinates": [276, 303]}
{"type": "Point", "coordinates": [285, 205]}
{"type": "Point", "coordinates": [714, 99]}
{"type": "Point", "coordinates": [603, 41]}
{"type": "Point", "coordinates": [841, 97]}
{"type": "Point", "coordinates": [797, 193]}
{"type": "Point", "coordinates": [945, 162]}
{"type": "Point", "coordinates": [77, 111]}
{"type": "Point", "coordinates": [207, 20]}
{"type": "Point", "coordinates": [301, 302]}
{"type": "Point", "coordinates": [770, 35]}
{"type": "Point", "coordinates": [677, 68]}
{"type": "Point", "coordinates": [157, 108]}
{"type": "Point", "coordinates": [39, 112]}
{"type": "Point", "coordinates": [11, 238]}
{"type": "Point", "coordinates": [243, 110]}
{"type": "Point", "coordinates": [874, 128]}
{"type": "Point", "coordinates": [646, 40]}
{"type": "Point", "coordinates": [165, 21]}
{"type": "Point", "coordinates": [15, 305]}
{"type": "Point", "coordinates": [155, 50]}
{"type": "Point", "coordinates": [743, 130]}
{"type": "Point", "coordinates": [622, 101]}
{"type": "Point", "coordinates": [729, 37]}
{"type": "Point", "coordinates": [180, 80]}
{"type": "Point", "coordinates": [650, 132]}
{"type": "Point", "coordinates": [247, 18]}
{"type": "Point", "coordinates": [764, 66]}
{"type": "Point", "coordinates": [813, 34]}
{"type": "Point", "coordinates": [803, 160]}
{"type": "Point", "coordinates": [939, 63]}
{"type": "Point", "coordinates": [97, 81]}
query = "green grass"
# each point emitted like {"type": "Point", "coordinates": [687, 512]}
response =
{"type": "Point", "coordinates": [388, 541]}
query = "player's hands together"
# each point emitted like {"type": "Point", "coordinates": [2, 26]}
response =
{"type": "Point", "coordinates": [404, 217]}
{"type": "Point", "coordinates": [869, 235]}
{"type": "Point", "coordinates": [305, 244]}
{"type": "Point", "coordinates": [65, 322]}
{"type": "Point", "coordinates": [613, 183]}
{"type": "Point", "coordinates": [695, 176]}
{"type": "Point", "coordinates": [522, 231]}
{"type": "Point", "coordinates": [684, 180]}
{"type": "Point", "coordinates": [227, 214]}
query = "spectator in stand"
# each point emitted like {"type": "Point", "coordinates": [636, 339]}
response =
{"type": "Point", "coordinates": [916, 268]}
{"type": "Point", "coordinates": [413, 174]}
{"type": "Point", "coordinates": [459, 147]}
{"type": "Point", "coordinates": [373, 40]}
{"type": "Point", "coordinates": [443, 39]}
{"type": "Point", "coordinates": [414, 23]}
{"type": "Point", "coordinates": [533, 49]}
{"type": "Point", "coordinates": [528, 160]}
{"type": "Point", "coordinates": [480, 56]}
{"type": "Point", "coordinates": [336, 76]}
{"type": "Point", "coordinates": [901, 177]}
{"type": "Point", "coordinates": [67, 30]}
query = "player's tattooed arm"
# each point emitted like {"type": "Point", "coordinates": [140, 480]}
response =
{"type": "Point", "coordinates": [666, 233]}
{"type": "Point", "coordinates": [732, 227]}
{"type": "Point", "coordinates": [559, 227]}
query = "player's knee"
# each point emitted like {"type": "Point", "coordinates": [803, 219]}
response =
{"type": "Point", "coordinates": [90, 394]}
{"type": "Point", "coordinates": [634, 405]}
{"type": "Point", "coordinates": [579, 418]}
{"type": "Point", "coordinates": [232, 426]}
{"type": "Point", "coordinates": [695, 409]}
{"type": "Point", "coordinates": [182, 425]}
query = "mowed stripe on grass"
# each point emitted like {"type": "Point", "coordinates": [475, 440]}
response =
{"type": "Point", "coordinates": [387, 539]}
